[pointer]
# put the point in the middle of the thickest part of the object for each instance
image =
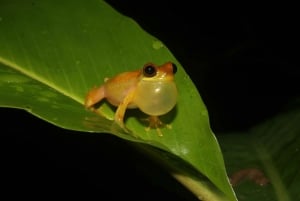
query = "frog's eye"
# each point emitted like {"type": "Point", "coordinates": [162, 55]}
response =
{"type": "Point", "coordinates": [149, 71]}
{"type": "Point", "coordinates": [174, 69]}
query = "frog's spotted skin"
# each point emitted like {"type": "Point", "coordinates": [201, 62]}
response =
{"type": "Point", "coordinates": [151, 89]}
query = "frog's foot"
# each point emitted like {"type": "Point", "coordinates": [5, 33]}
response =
{"type": "Point", "coordinates": [155, 122]}
{"type": "Point", "coordinates": [119, 122]}
{"type": "Point", "coordinates": [98, 111]}
{"type": "Point", "coordinates": [117, 126]}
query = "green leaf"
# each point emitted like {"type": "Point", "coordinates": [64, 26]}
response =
{"type": "Point", "coordinates": [271, 147]}
{"type": "Point", "coordinates": [53, 52]}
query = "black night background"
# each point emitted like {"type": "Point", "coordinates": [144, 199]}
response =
{"type": "Point", "coordinates": [243, 61]}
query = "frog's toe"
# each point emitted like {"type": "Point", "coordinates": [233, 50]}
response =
{"type": "Point", "coordinates": [156, 123]}
{"type": "Point", "coordinates": [117, 126]}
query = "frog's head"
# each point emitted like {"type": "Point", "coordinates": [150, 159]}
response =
{"type": "Point", "coordinates": [165, 72]}
{"type": "Point", "coordinates": [156, 93]}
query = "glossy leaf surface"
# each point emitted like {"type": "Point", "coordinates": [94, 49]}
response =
{"type": "Point", "coordinates": [53, 52]}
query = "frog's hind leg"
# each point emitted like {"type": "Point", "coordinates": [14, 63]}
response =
{"type": "Point", "coordinates": [94, 96]}
{"type": "Point", "coordinates": [119, 115]}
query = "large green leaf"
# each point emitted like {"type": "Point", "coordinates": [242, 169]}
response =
{"type": "Point", "coordinates": [271, 147]}
{"type": "Point", "coordinates": [52, 52]}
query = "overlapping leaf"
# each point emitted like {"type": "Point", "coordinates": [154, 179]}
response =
{"type": "Point", "coordinates": [53, 52]}
{"type": "Point", "coordinates": [272, 148]}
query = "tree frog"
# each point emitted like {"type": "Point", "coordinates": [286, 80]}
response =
{"type": "Point", "coordinates": [151, 89]}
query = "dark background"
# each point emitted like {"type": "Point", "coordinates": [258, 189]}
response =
{"type": "Point", "coordinates": [244, 62]}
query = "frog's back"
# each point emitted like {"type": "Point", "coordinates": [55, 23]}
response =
{"type": "Point", "coordinates": [118, 87]}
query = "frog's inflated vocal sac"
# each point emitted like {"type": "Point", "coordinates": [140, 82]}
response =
{"type": "Point", "coordinates": [151, 89]}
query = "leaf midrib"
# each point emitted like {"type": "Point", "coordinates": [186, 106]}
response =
{"type": "Point", "coordinates": [39, 79]}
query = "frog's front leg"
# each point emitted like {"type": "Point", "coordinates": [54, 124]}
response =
{"type": "Point", "coordinates": [155, 122]}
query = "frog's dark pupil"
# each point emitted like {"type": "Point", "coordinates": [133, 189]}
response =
{"type": "Point", "coordinates": [174, 68]}
{"type": "Point", "coordinates": [149, 71]}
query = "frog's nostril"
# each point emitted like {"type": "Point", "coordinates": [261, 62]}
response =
{"type": "Point", "coordinates": [174, 68]}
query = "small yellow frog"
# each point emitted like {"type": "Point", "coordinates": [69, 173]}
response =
{"type": "Point", "coordinates": [151, 89]}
